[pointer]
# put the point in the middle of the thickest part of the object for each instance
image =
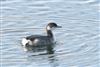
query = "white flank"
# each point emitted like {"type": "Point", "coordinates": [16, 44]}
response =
{"type": "Point", "coordinates": [36, 41]}
{"type": "Point", "coordinates": [24, 41]}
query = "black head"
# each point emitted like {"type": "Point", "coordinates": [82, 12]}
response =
{"type": "Point", "coordinates": [52, 25]}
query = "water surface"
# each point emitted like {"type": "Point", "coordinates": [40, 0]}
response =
{"type": "Point", "coordinates": [77, 41]}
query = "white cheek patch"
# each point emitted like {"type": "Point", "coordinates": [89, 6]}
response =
{"type": "Point", "coordinates": [48, 28]}
{"type": "Point", "coordinates": [24, 41]}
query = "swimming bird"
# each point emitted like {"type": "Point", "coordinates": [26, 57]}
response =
{"type": "Point", "coordinates": [39, 40]}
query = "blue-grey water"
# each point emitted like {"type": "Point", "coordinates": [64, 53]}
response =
{"type": "Point", "coordinates": [77, 41]}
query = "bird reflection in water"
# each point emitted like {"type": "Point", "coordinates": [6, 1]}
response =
{"type": "Point", "coordinates": [48, 48]}
{"type": "Point", "coordinates": [49, 55]}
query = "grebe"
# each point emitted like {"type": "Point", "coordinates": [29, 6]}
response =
{"type": "Point", "coordinates": [38, 40]}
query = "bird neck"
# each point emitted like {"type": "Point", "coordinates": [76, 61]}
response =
{"type": "Point", "coordinates": [49, 33]}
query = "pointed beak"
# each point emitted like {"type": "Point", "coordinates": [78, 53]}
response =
{"type": "Point", "coordinates": [59, 26]}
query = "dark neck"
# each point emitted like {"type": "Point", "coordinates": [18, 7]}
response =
{"type": "Point", "coordinates": [49, 33]}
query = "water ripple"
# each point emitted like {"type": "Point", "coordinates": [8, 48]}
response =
{"type": "Point", "coordinates": [77, 42]}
